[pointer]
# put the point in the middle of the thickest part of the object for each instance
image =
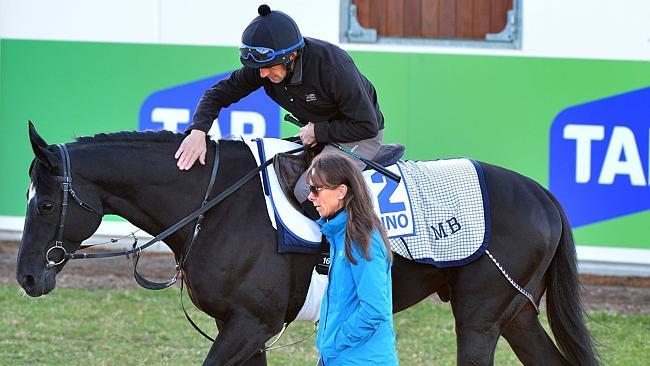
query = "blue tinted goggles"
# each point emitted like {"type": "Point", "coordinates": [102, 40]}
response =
{"type": "Point", "coordinates": [263, 54]}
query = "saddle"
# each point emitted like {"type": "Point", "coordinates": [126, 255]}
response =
{"type": "Point", "coordinates": [289, 167]}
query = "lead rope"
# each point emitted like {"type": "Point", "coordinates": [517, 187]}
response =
{"type": "Point", "coordinates": [512, 282]}
{"type": "Point", "coordinates": [112, 241]}
{"type": "Point", "coordinates": [270, 347]}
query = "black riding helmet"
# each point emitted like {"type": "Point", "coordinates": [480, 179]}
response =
{"type": "Point", "coordinates": [269, 39]}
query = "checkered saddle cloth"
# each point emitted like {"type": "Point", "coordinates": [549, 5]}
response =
{"type": "Point", "coordinates": [450, 208]}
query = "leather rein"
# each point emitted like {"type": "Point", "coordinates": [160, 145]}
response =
{"type": "Point", "coordinates": [66, 187]}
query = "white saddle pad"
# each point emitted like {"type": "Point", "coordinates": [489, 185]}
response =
{"type": "Point", "coordinates": [436, 214]}
{"type": "Point", "coordinates": [292, 220]}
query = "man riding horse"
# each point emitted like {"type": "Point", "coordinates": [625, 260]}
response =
{"type": "Point", "coordinates": [313, 79]}
{"type": "Point", "coordinates": [233, 270]}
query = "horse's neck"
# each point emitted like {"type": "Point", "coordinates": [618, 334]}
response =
{"type": "Point", "coordinates": [143, 185]}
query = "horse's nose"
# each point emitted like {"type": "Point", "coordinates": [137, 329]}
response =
{"type": "Point", "coordinates": [27, 282]}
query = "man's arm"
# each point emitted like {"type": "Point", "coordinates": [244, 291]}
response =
{"type": "Point", "coordinates": [359, 119]}
{"type": "Point", "coordinates": [230, 90]}
{"type": "Point", "coordinates": [239, 84]}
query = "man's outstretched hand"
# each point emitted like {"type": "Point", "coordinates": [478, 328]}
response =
{"type": "Point", "coordinates": [192, 148]}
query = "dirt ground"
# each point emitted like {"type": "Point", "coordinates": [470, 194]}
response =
{"type": "Point", "coordinates": [625, 295]}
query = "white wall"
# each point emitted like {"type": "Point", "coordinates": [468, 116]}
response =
{"type": "Point", "coordinates": [610, 29]}
{"type": "Point", "coordinates": [79, 20]}
{"type": "Point", "coordinates": [191, 22]}
{"type": "Point", "coordinates": [600, 29]}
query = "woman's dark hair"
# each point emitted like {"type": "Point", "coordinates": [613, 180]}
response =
{"type": "Point", "coordinates": [333, 169]}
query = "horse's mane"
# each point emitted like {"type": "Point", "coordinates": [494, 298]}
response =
{"type": "Point", "coordinates": [132, 136]}
{"type": "Point", "coordinates": [128, 137]}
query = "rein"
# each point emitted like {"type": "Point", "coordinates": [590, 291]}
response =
{"type": "Point", "coordinates": [194, 215]}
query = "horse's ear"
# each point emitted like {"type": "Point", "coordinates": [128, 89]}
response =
{"type": "Point", "coordinates": [39, 146]}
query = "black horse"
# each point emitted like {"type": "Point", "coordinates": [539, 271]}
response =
{"type": "Point", "coordinates": [235, 274]}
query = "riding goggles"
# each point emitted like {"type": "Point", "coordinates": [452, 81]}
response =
{"type": "Point", "coordinates": [263, 54]}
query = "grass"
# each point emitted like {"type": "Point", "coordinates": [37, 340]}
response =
{"type": "Point", "coordinates": [136, 327]}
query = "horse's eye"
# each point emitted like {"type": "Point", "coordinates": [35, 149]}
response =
{"type": "Point", "coordinates": [47, 207]}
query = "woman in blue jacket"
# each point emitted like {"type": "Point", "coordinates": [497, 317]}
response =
{"type": "Point", "coordinates": [356, 321]}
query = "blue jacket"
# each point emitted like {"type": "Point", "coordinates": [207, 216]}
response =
{"type": "Point", "coordinates": [356, 318]}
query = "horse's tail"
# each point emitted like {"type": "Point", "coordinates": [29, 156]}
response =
{"type": "Point", "coordinates": [563, 304]}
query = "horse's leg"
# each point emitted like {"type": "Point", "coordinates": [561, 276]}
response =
{"type": "Point", "coordinates": [477, 312]}
{"type": "Point", "coordinates": [525, 229]}
{"type": "Point", "coordinates": [483, 303]}
{"type": "Point", "coordinates": [258, 359]}
{"type": "Point", "coordinates": [239, 340]}
{"type": "Point", "coordinates": [529, 340]}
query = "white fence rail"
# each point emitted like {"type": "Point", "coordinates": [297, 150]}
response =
{"type": "Point", "coordinates": [591, 260]}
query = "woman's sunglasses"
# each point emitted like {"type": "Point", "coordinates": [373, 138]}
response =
{"type": "Point", "coordinates": [315, 190]}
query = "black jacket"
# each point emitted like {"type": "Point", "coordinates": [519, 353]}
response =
{"type": "Point", "coordinates": [325, 88]}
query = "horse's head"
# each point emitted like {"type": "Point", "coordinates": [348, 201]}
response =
{"type": "Point", "coordinates": [63, 210]}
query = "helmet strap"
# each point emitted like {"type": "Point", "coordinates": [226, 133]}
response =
{"type": "Point", "coordinates": [288, 66]}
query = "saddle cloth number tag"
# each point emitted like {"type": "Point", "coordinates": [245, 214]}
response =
{"type": "Point", "coordinates": [323, 264]}
{"type": "Point", "coordinates": [391, 201]}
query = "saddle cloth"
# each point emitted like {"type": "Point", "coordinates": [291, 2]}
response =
{"type": "Point", "coordinates": [437, 214]}
{"type": "Point", "coordinates": [452, 217]}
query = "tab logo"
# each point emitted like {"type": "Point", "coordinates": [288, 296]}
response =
{"type": "Point", "coordinates": [599, 158]}
{"type": "Point", "coordinates": [391, 201]}
{"type": "Point", "coordinates": [172, 109]}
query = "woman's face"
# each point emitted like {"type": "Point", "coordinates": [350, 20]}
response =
{"type": "Point", "coordinates": [327, 200]}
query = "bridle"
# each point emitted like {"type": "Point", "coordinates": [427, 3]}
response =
{"type": "Point", "coordinates": [66, 187]}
